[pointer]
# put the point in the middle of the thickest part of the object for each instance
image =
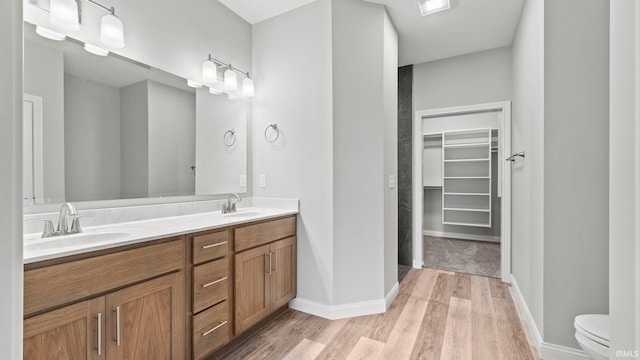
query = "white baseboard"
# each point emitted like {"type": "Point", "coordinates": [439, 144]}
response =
{"type": "Point", "coordinates": [547, 351]}
{"type": "Point", "coordinates": [334, 312]}
{"type": "Point", "coordinates": [417, 264]}
{"type": "Point", "coordinates": [533, 328]}
{"type": "Point", "coordinates": [461, 236]}
{"type": "Point", "coordinates": [557, 352]}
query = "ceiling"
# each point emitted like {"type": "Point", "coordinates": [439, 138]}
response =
{"type": "Point", "coordinates": [469, 26]}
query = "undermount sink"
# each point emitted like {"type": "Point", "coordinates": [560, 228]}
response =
{"type": "Point", "coordinates": [67, 241]}
{"type": "Point", "coordinates": [241, 214]}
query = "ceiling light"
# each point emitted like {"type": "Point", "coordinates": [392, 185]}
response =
{"type": "Point", "coordinates": [95, 50]}
{"type": "Point", "coordinates": [112, 30]}
{"type": "Point", "coordinates": [428, 7]}
{"type": "Point", "coordinates": [193, 84]}
{"type": "Point", "coordinates": [247, 87]}
{"type": "Point", "coordinates": [63, 14]}
{"type": "Point", "coordinates": [209, 71]}
{"type": "Point", "coordinates": [49, 34]}
{"type": "Point", "coordinates": [230, 79]}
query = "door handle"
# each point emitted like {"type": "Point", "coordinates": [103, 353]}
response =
{"type": "Point", "coordinates": [117, 311]}
{"type": "Point", "coordinates": [99, 317]}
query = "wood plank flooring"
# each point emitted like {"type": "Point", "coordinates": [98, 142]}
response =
{"type": "Point", "coordinates": [436, 315]}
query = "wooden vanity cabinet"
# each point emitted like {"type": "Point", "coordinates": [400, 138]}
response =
{"type": "Point", "coordinates": [125, 317]}
{"type": "Point", "coordinates": [265, 270]}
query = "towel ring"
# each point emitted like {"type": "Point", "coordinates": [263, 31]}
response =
{"type": "Point", "coordinates": [230, 137]}
{"type": "Point", "coordinates": [275, 130]}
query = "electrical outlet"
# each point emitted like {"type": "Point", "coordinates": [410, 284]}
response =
{"type": "Point", "coordinates": [243, 180]}
{"type": "Point", "coordinates": [392, 181]}
{"type": "Point", "coordinates": [263, 181]}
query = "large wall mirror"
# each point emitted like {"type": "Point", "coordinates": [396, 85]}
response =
{"type": "Point", "coordinates": [107, 127]}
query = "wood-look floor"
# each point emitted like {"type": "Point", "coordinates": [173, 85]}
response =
{"type": "Point", "coordinates": [437, 315]}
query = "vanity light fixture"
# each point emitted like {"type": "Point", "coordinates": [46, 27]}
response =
{"type": "Point", "coordinates": [428, 7]}
{"type": "Point", "coordinates": [209, 71]}
{"type": "Point", "coordinates": [49, 34]}
{"type": "Point", "coordinates": [63, 14]}
{"type": "Point", "coordinates": [95, 50]}
{"type": "Point", "coordinates": [193, 84]}
{"type": "Point", "coordinates": [247, 87]}
{"type": "Point", "coordinates": [230, 79]}
{"type": "Point", "coordinates": [112, 30]}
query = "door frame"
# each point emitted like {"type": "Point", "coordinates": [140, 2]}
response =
{"type": "Point", "coordinates": [36, 147]}
{"type": "Point", "coordinates": [504, 152]}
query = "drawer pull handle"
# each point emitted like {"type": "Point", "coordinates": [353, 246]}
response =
{"type": "Point", "coordinates": [205, 247]}
{"type": "Point", "coordinates": [117, 311]}
{"type": "Point", "coordinates": [214, 282]}
{"type": "Point", "coordinates": [222, 323]}
{"type": "Point", "coordinates": [99, 333]}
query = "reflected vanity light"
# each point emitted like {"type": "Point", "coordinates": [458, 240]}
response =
{"type": "Point", "coordinates": [232, 97]}
{"type": "Point", "coordinates": [194, 84]}
{"type": "Point", "coordinates": [95, 50]}
{"type": "Point", "coordinates": [112, 30]}
{"type": "Point", "coordinates": [230, 79]}
{"type": "Point", "coordinates": [49, 34]}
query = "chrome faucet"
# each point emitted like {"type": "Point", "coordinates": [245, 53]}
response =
{"type": "Point", "coordinates": [66, 210]}
{"type": "Point", "coordinates": [230, 207]}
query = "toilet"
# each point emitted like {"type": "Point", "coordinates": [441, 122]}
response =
{"type": "Point", "coordinates": [592, 333]}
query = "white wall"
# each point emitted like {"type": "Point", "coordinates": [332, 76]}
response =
{"type": "Point", "coordinates": [91, 140]}
{"type": "Point", "coordinates": [624, 172]}
{"type": "Point", "coordinates": [134, 141]}
{"type": "Point", "coordinates": [215, 115]}
{"type": "Point", "coordinates": [43, 76]}
{"type": "Point", "coordinates": [172, 127]}
{"type": "Point", "coordinates": [390, 131]}
{"type": "Point", "coordinates": [292, 71]}
{"type": "Point", "coordinates": [576, 162]}
{"type": "Point", "coordinates": [476, 78]}
{"type": "Point", "coordinates": [11, 179]}
{"type": "Point", "coordinates": [527, 135]}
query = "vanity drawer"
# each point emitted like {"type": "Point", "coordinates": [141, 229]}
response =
{"type": "Point", "coordinates": [254, 235]}
{"type": "Point", "coordinates": [210, 246]}
{"type": "Point", "coordinates": [210, 284]}
{"type": "Point", "coordinates": [210, 329]}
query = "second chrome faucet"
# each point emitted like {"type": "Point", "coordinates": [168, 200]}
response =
{"type": "Point", "coordinates": [230, 207]}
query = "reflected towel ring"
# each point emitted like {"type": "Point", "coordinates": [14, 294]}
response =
{"type": "Point", "coordinates": [275, 130]}
{"type": "Point", "coordinates": [230, 138]}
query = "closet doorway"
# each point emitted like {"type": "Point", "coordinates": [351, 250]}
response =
{"type": "Point", "coordinates": [461, 189]}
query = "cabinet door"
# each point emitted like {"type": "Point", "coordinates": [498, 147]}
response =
{"type": "Point", "coordinates": [283, 274]}
{"type": "Point", "coordinates": [67, 333]}
{"type": "Point", "coordinates": [252, 292]}
{"type": "Point", "coordinates": [146, 320]}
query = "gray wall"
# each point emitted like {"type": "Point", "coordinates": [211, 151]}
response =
{"type": "Point", "coordinates": [43, 76]}
{"type": "Point", "coordinates": [92, 140]}
{"type": "Point", "coordinates": [134, 141]}
{"type": "Point", "coordinates": [527, 175]}
{"type": "Point", "coordinates": [172, 123]}
{"type": "Point", "coordinates": [11, 180]}
{"type": "Point", "coordinates": [624, 186]}
{"type": "Point", "coordinates": [475, 78]}
{"type": "Point", "coordinates": [576, 162]}
{"type": "Point", "coordinates": [405, 165]}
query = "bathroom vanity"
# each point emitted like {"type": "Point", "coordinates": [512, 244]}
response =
{"type": "Point", "coordinates": [209, 279]}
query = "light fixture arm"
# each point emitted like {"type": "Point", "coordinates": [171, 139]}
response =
{"type": "Point", "coordinates": [111, 10]}
{"type": "Point", "coordinates": [228, 66]}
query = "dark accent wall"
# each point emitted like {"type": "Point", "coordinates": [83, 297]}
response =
{"type": "Point", "coordinates": [405, 159]}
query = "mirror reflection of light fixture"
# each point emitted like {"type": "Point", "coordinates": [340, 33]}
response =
{"type": "Point", "coordinates": [230, 79]}
{"type": "Point", "coordinates": [209, 71]}
{"type": "Point", "coordinates": [49, 34]}
{"type": "Point", "coordinates": [193, 84]}
{"type": "Point", "coordinates": [95, 50]}
{"type": "Point", "coordinates": [215, 91]}
{"type": "Point", "coordinates": [428, 7]}
{"type": "Point", "coordinates": [63, 14]}
{"type": "Point", "coordinates": [247, 87]}
{"type": "Point", "coordinates": [112, 30]}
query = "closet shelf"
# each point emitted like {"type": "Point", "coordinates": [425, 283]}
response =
{"type": "Point", "coordinates": [466, 193]}
{"type": "Point", "coordinates": [474, 145]}
{"type": "Point", "coordinates": [465, 160]}
{"type": "Point", "coordinates": [468, 209]}
{"type": "Point", "coordinates": [467, 224]}
{"type": "Point", "coordinates": [466, 177]}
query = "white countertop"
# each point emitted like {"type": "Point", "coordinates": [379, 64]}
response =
{"type": "Point", "coordinates": [126, 233]}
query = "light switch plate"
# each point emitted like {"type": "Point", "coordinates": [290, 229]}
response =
{"type": "Point", "coordinates": [392, 181]}
{"type": "Point", "coordinates": [243, 180]}
{"type": "Point", "coordinates": [263, 181]}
